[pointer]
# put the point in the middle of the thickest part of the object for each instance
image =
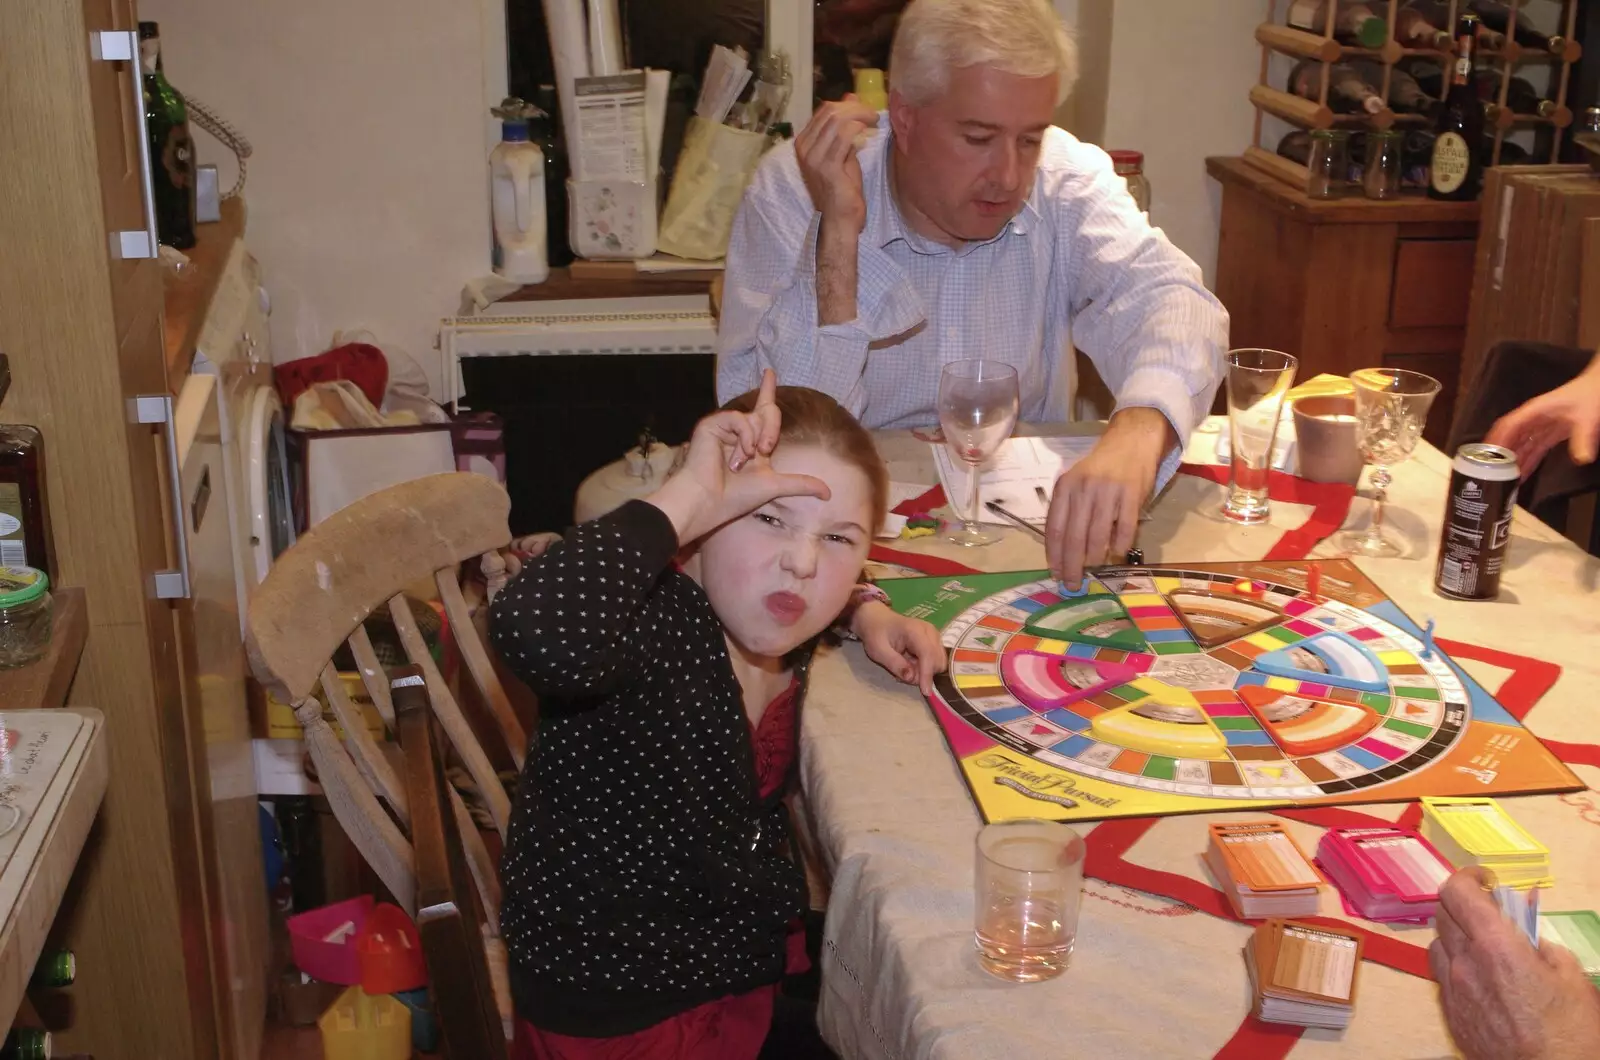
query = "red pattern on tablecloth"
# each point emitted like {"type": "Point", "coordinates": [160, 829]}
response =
{"type": "Point", "coordinates": [1329, 502]}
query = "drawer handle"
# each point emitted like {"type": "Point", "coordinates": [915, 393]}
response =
{"type": "Point", "coordinates": [157, 408]}
{"type": "Point", "coordinates": [115, 46]}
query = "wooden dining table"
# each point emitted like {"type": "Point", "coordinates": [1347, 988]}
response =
{"type": "Point", "coordinates": [1157, 969]}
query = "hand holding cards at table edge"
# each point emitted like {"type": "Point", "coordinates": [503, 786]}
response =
{"type": "Point", "coordinates": [1094, 507]}
{"type": "Point", "coordinates": [1501, 996]}
{"type": "Point", "coordinates": [726, 473]}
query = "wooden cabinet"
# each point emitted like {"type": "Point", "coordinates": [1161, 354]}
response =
{"type": "Point", "coordinates": [82, 324]}
{"type": "Point", "coordinates": [1346, 283]}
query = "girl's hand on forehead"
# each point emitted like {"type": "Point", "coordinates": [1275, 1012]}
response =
{"type": "Point", "coordinates": [726, 473]}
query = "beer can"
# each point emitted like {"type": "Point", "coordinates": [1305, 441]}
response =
{"type": "Point", "coordinates": [1477, 522]}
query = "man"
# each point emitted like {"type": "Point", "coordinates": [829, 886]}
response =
{"type": "Point", "coordinates": [961, 224]}
{"type": "Point", "coordinates": [1502, 997]}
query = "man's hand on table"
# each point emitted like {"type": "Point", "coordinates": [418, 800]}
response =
{"type": "Point", "coordinates": [909, 648]}
{"type": "Point", "coordinates": [1096, 502]}
{"type": "Point", "coordinates": [1501, 996]}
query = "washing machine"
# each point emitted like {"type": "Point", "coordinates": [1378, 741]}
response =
{"type": "Point", "coordinates": [233, 346]}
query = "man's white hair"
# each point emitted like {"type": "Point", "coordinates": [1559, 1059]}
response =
{"type": "Point", "coordinates": [1021, 37]}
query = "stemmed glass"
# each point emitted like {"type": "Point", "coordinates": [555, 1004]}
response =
{"type": "Point", "coordinates": [977, 410]}
{"type": "Point", "coordinates": [1391, 409]}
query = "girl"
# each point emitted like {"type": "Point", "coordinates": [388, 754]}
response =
{"type": "Point", "coordinates": [648, 898]}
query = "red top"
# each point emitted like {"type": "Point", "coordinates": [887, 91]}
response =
{"type": "Point", "coordinates": [729, 1028]}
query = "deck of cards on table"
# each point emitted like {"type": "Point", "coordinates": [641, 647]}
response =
{"type": "Point", "coordinates": [1477, 831]}
{"type": "Point", "coordinates": [1262, 870]}
{"type": "Point", "coordinates": [1578, 931]}
{"type": "Point", "coordinates": [1303, 974]}
{"type": "Point", "coordinates": [1391, 875]}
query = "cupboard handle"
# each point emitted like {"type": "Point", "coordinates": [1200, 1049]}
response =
{"type": "Point", "coordinates": [123, 46]}
{"type": "Point", "coordinates": [157, 408]}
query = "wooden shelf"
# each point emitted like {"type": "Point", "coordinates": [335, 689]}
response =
{"type": "Point", "coordinates": [614, 279]}
{"type": "Point", "coordinates": [188, 300]}
{"type": "Point", "coordinates": [1410, 208]}
{"type": "Point", "coordinates": [55, 824]}
{"type": "Point", "coordinates": [44, 684]}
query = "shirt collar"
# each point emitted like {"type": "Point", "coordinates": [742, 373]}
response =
{"type": "Point", "coordinates": [884, 223]}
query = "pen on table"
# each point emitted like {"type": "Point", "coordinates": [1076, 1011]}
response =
{"type": "Point", "coordinates": [995, 507]}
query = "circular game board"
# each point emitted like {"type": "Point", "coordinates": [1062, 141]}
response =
{"type": "Point", "coordinates": [1199, 683]}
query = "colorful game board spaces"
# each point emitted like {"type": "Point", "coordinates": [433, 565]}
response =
{"type": "Point", "coordinates": [1214, 618]}
{"type": "Point", "coordinates": [1135, 621]}
{"type": "Point", "coordinates": [1262, 870]}
{"type": "Point", "coordinates": [1332, 658]}
{"type": "Point", "coordinates": [1303, 974]}
{"type": "Point", "coordinates": [1391, 875]}
{"type": "Point", "coordinates": [1303, 725]}
{"type": "Point", "coordinates": [1478, 831]}
{"type": "Point", "coordinates": [1048, 681]}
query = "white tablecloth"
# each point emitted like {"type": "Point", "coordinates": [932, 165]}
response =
{"type": "Point", "coordinates": [1150, 977]}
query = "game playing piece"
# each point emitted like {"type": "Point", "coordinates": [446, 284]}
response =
{"type": "Point", "coordinates": [1135, 557]}
{"type": "Point", "coordinates": [1262, 870]}
{"type": "Point", "coordinates": [1428, 647]}
{"type": "Point", "coordinates": [1391, 875]}
{"type": "Point", "coordinates": [1232, 701]}
{"type": "Point", "coordinates": [1579, 931]}
{"type": "Point", "coordinates": [1303, 974]}
{"type": "Point", "coordinates": [1478, 831]}
{"type": "Point", "coordinates": [1314, 581]}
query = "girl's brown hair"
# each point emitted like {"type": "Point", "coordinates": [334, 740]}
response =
{"type": "Point", "coordinates": [811, 417]}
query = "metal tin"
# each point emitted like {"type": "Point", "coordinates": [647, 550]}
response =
{"type": "Point", "coordinates": [1477, 522]}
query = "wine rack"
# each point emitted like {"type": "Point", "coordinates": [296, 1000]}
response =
{"type": "Point", "coordinates": [1276, 37]}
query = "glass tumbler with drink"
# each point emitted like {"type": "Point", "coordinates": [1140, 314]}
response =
{"type": "Point", "coordinates": [977, 411]}
{"type": "Point", "coordinates": [1028, 888]}
{"type": "Point", "coordinates": [1257, 383]}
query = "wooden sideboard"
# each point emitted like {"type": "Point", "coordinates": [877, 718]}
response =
{"type": "Point", "coordinates": [1346, 283]}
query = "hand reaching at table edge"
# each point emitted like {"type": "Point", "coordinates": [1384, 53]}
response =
{"type": "Point", "coordinates": [1094, 508]}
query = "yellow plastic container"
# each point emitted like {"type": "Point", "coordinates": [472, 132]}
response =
{"type": "Point", "coordinates": [276, 721]}
{"type": "Point", "coordinates": [363, 1026]}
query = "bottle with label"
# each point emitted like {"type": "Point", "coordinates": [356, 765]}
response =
{"type": "Point", "coordinates": [557, 169]}
{"type": "Point", "coordinates": [517, 183]}
{"type": "Point", "coordinates": [171, 148]}
{"type": "Point", "coordinates": [1456, 169]}
{"type": "Point", "coordinates": [25, 539]}
{"type": "Point", "coordinates": [1356, 24]}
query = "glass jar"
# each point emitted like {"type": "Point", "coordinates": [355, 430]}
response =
{"type": "Point", "coordinates": [1380, 179]}
{"type": "Point", "coordinates": [1330, 163]}
{"type": "Point", "coordinates": [25, 610]}
{"type": "Point", "coordinates": [1130, 167]}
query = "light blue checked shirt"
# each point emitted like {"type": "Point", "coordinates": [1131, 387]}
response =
{"type": "Point", "coordinates": [1079, 264]}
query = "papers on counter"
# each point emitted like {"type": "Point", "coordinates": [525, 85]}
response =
{"type": "Point", "coordinates": [1014, 475]}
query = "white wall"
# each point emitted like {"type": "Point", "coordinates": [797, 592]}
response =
{"type": "Point", "coordinates": [1179, 75]}
{"type": "Point", "coordinates": [367, 193]}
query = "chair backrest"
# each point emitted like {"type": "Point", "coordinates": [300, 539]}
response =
{"type": "Point", "coordinates": [316, 597]}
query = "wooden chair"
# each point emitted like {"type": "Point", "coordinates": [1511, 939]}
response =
{"type": "Point", "coordinates": [315, 598]}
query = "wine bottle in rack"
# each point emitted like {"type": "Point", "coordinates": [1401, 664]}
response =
{"type": "Point", "coordinates": [1456, 169]}
{"type": "Point", "coordinates": [1405, 95]}
{"type": "Point", "coordinates": [1497, 17]}
{"type": "Point", "coordinates": [1354, 23]}
{"type": "Point", "coordinates": [1437, 13]}
{"type": "Point", "coordinates": [26, 1043]}
{"type": "Point", "coordinates": [1522, 98]}
{"type": "Point", "coordinates": [1348, 91]}
{"type": "Point", "coordinates": [54, 969]}
{"type": "Point", "coordinates": [1414, 28]}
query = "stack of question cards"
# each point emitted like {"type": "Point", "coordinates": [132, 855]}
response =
{"type": "Point", "coordinates": [1476, 831]}
{"type": "Point", "coordinates": [1303, 973]}
{"type": "Point", "coordinates": [1578, 931]}
{"type": "Point", "coordinates": [1262, 870]}
{"type": "Point", "coordinates": [1391, 875]}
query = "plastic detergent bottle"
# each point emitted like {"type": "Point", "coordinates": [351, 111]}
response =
{"type": "Point", "coordinates": [516, 174]}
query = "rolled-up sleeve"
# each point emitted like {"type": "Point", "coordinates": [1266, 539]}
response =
{"type": "Point", "coordinates": [769, 301]}
{"type": "Point", "coordinates": [1140, 309]}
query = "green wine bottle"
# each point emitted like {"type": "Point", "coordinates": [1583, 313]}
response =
{"type": "Point", "coordinates": [171, 149]}
{"type": "Point", "coordinates": [26, 1043]}
{"type": "Point", "coordinates": [55, 968]}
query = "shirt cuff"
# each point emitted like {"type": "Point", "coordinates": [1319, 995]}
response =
{"type": "Point", "coordinates": [648, 529]}
{"type": "Point", "coordinates": [1168, 393]}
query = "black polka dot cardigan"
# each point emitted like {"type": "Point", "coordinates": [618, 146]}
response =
{"type": "Point", "coordinates": [643, 875]}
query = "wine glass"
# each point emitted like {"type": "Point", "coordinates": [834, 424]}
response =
{"type": "Point", "coordinates": [1391, 408]}
{"type": "Point", "coordinates": [977, 410]}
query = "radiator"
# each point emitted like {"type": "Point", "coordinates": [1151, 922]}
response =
{"type": "Point", "coordinates": [612, 326]}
